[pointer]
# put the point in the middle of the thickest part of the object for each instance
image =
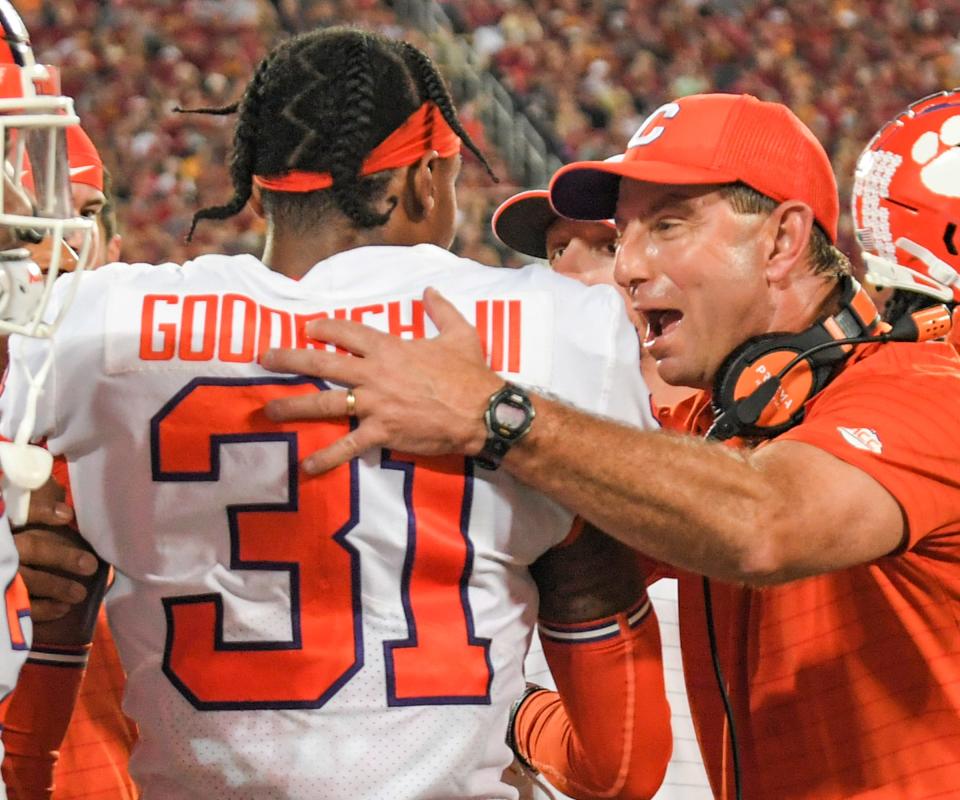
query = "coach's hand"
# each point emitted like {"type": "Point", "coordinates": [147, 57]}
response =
{"type": "Point", "coordinates": [50, 562]}
{"type": "Point", "coordinates": [425, 396]}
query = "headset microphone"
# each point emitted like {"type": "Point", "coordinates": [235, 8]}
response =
{"type": "Point", "coordinates": [762, 387]}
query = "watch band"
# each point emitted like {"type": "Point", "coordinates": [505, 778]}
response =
{"type": "Point", "coordinates": [508, 418]}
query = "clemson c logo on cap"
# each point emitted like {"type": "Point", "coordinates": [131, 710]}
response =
{"type": "Point", "coordinates": [641, 137]}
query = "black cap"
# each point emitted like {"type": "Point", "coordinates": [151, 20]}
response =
{"type": "Point", "coordinates": [521, 222]}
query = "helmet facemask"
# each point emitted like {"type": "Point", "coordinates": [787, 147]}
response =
{"type": "Point", "coordinates": [35, 205]}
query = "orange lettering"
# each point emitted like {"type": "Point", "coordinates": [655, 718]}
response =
{"type": "Point", "coordinates": [398, 328]}
{"type": "Point", "coordinates": [496, 347]}
{"type": "Point", "coordinates": [300, 321]}
{"type": "Point", "coordinates": [208, 332]}
{"type": "Point", "coordinates": [247, 332]}
{"type": "Point", "coordinates": [285, 326]}
{"type": "Point", "coordinates": [356, 314]}
{"type": "Point", "coordinates": [513, 338]}
{"type": "Point", "coordinates": [167, 330]}
{"type": "Point", "coordinates": [483, 308]}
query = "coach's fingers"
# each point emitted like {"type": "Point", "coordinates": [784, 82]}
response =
{"type": "Point", "coordinates": [453, 326]}
{"type": "Point", "coordinates": [351, 336]}
{"type": "Point", "coordinates": [443, 313]}
{"type": "Point", "coordinates": [359, 440]}
{"type": "Point", "coordinates": [43, 550]}
{"type": "Point", "coordinates": [42, 584]}
{"type": "Point", "coordinates": [347, 371]}
{"type": "Point", "coordinates": [320, 405]}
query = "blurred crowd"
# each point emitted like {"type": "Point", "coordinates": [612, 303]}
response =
{"type": "Point", "coordinates": [586, 72]}
{"type": "Point", "coordinates": [589, 71]}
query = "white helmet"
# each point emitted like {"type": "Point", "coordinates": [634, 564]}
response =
{"type": "Point", "coordinates": [33, 119]}
{"type": "Point", "coordinates": [35, 203]}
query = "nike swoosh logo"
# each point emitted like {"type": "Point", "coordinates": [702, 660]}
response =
{"type": "Point", "coordinates": [80, 170]}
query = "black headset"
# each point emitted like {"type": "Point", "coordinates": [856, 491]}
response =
{"type": "Point", "coordinates": [762, 387]}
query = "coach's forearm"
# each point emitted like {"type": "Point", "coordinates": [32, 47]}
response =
{"type": "Point", "coordinates": [694, 504]}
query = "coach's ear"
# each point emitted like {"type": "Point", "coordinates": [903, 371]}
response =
{"type": "Point", "coordinates": [256, 201]}
{"type": "Point", "coordinates": [419, 199]}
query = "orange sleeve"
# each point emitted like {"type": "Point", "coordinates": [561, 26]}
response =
{"type": "Point", "coordinates": [95, 752]}
{"type": "Point", "coordinates": [37, 719]}
{"type": "Point", "coordinates": [606, 732]}
{"type": "Point", "coordinates": [896, 420]}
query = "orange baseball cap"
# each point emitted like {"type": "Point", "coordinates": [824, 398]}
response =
{"type": "Point", "coordinates": [521, 222]}
{"type": "Point", "coordinates": [83, 158]}
{"type": "Point", "coordinates": [706, 139]}
{"type": "Point", "coordinates": [86, 165]}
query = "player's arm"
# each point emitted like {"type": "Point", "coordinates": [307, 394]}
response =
{"type": "Point", "coordinates": [42, 702]}
{"type": "Point", "coordinates": [606, 732]}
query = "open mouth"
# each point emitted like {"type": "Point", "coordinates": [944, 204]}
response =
{"type": "Point", "coordinates": [660, 321]}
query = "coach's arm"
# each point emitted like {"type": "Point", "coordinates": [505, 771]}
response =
{"type": "Point", "coordinates": [775, 514]}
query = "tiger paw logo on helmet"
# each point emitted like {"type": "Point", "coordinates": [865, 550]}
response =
{"type": "Point", "coordinates": [906, 200]}
{"type": "Point", "coordinates": [938, 153]}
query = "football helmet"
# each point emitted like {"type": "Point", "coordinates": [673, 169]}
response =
{"type": "Point", "coordinates": [35, 204]}
{"type": "Point", "coordinates": [906, 200]}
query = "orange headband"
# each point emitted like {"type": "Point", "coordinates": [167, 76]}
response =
{"type": "Point", "coordinates": [424, 130]}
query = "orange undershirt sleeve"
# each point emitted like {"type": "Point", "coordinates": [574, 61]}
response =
{"type": "Point", "coordinates": [606, 732]}
{"type": "Point", "coordinates": [37, 719]}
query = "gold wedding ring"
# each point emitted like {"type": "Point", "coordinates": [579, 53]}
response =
{"type": "Point", "coordinates": [351, 403]}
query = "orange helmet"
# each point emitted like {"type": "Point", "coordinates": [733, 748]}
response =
{"type": "Point", "coordinates": [906, 200]}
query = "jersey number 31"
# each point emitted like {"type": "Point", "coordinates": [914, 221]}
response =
{"type": "Point", "coordinates": [306, 534]}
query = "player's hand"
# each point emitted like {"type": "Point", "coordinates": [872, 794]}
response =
{"type": "Point", "coordinates": [425, 396]}
{"type": "Point", "coordinates": [50, 563]}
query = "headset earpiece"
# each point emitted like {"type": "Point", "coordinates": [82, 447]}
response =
{"type": "Point", "coordinates": [748, 397]}
{"type": "Point", "coordinates": [762, 387]}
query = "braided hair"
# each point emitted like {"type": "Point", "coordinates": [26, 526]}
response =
{"type": "Point", "coordinates": [320, 102]}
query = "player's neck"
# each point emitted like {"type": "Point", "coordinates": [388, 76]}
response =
{"type": "Point", "coordinates": [294, 255]}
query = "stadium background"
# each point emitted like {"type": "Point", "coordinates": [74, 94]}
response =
{"type": "Point", "coordinates": [538, 83]}
{"type": "Point", "coordinates": [579, 74]}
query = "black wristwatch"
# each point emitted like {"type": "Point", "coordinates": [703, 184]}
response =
{"type": "Point", "coordinates": [508, 418]}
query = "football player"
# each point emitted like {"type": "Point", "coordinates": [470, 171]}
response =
{"type": "Point", "coordinates": [33, 118]}
{"type": "Point", "coordinates": [362, 634]}
{"type": "Point", "coordinates": [906, 207]}
{"type": "Point", "coordinates": [94, 754]}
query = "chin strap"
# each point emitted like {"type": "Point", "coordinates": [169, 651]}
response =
{"type": "Point", "coordinates": [26, 467]}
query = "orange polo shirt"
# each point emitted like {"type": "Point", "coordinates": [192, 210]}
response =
{"type": "Point", "coordinates": [847, 684]}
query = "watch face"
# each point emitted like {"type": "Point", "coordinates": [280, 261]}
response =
{"type": "Point", "coordinates": [509, 416]}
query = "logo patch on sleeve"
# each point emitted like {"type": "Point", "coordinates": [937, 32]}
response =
{"type": "Point", "coordinates": [862, 439]}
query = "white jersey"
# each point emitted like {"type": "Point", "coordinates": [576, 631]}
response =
{"type": "Point", "coordinates": [17, 631]}
{"type": "Point", "coordinates": [354, 635]}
